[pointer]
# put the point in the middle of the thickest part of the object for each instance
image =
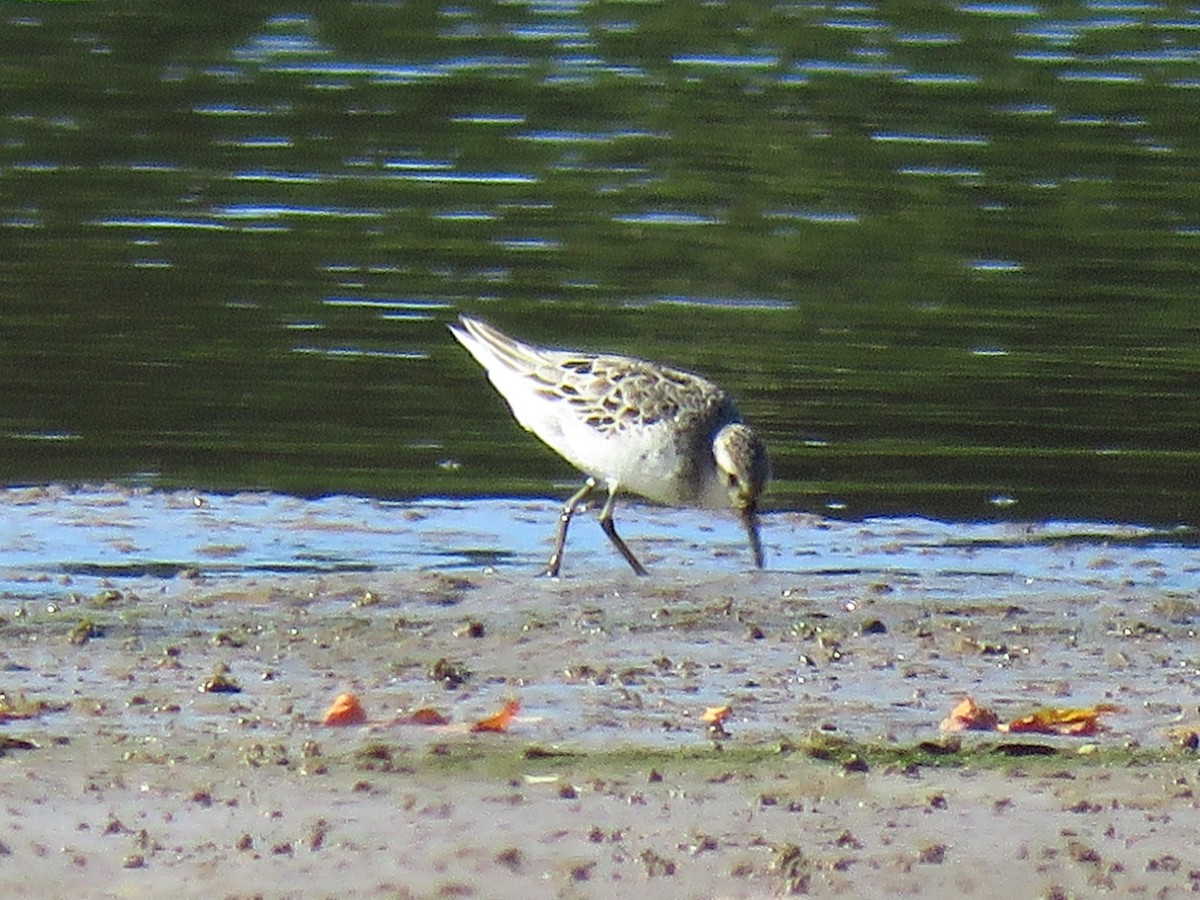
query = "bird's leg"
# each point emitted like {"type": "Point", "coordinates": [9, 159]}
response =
{"type": "Point", "coordinates": [606, 522]}
{"type": "Point", "coordinates": [564, 519]}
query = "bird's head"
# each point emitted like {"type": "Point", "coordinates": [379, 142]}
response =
{"type": "Point", "coordinates": [744, 469]}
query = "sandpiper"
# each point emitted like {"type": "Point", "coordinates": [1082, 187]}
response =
{"type": "Point", "coordinates": [629, 424]}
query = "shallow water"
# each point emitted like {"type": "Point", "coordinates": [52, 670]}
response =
{"type": "Point", "coordinates": [90, 537]}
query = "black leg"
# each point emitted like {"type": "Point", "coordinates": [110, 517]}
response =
{"type": "Point", "coordinates": [606, 522]}
{"type": "Point", "coordinates": [564, 519]}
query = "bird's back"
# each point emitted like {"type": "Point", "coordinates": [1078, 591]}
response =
{"type": "Point", "coordinates": [646, 426]}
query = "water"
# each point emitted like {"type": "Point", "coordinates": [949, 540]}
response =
{"type": "Point", "coordinates": [58, 542]}
{"type": "Point", "coordinates": [943, 255]}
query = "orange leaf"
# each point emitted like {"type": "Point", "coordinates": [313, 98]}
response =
{"type": "Point", "coordinates": [1078, 722]}
{"type": "Point", "coordinates": [715, 715]}
{"type": "Point", "coordinates": [498, 722]}
{"type": "Point", "coordinates": [967, 715]}
{"type": "Point", "coordinates": [426, 715]}
{"type": "Point", "coordinates": [346, 710]}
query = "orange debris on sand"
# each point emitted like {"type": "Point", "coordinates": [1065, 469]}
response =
{"type": "Point", "coordinates": [346, 710]}
{"type": "Point", "coordinates": [1083, 721]}
{"type": "Point", "coordinates": [426, 715]}
{"type": "Point", "coordinates": [499, 721]}
{"type": "Point", "coordinates": [715, 715]}
{"type": "Point", "coordinates": [968, 715]}
{"type": "Point", "coordinates": [1077, 722]}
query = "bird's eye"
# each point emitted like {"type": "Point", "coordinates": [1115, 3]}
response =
{"type": "Point", "coordinates": [733, 480]}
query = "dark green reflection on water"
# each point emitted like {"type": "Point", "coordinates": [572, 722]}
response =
{"type": "Point", "coordinates": [944, 258]}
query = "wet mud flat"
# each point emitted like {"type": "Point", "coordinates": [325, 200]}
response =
{"type": "Point", "coordinates": [163, 733]}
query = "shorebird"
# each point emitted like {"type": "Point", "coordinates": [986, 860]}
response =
{"type": "Point", "coordinates": [629, 425]}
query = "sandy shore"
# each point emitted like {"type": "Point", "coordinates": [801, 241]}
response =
{"type": "Point", "coordinates": [130, 779]}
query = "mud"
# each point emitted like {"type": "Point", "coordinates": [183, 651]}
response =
{"type": "Point", "coordinates": [126, 774]}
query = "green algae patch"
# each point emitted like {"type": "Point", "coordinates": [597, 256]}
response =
{"type": "Point", "coordinates": [500, 758]}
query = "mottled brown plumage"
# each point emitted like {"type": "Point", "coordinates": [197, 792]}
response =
{"type": "Point", "coordinates": [634, 425]}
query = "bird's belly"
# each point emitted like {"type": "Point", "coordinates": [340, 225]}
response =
{"type": "Point", "coordinates": [645, 463]}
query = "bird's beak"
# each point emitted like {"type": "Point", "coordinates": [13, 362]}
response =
{"type": "Point", "coordinates": [749, 516]}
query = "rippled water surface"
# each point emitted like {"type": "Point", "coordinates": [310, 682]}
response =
{"type": "Point", "coordinates": [944, 255]}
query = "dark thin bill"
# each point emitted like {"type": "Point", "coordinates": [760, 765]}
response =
{"type": "Point", "coordinates": [750, 521]}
